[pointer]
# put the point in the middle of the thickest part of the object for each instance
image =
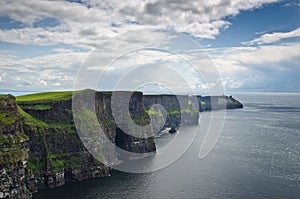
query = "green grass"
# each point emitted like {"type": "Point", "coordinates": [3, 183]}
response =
{"type": "Point", "coordinates": [64, 127]}
{"type": "Point", "coordinates": [45, 97]}
{"type": "Point", "coordinates": [76, 160]}
{"type": "Point", "coordinates": [57, 155]}
{"type": "Point", "coordinates": [39, 107]}
{"type": "Point", "coordinates": [42, 107]}
{"type": "Point", "coordinates": [58, 164]}
{"type": "Point", "coordinates": [107, 122]}
{"type": "Point", "coordinates": [173, 112]}
{"type": "Point", "coordinates": [143, 120]}
{"type": "Point", "coordinates": [36, 165]}
{"type": "Point", "coordinates": [7, 118]}
{"type": "Point", "coordinates": [64, 160]}
{"type": "Point", "coordinates": [12, 154]}
{"type": "Point", "coordinates": [154, 112]}
{"type": "Point", "coordinates": [190, 111]}
{"type": "Point", "coordinates": [7, 115]}
{"type": "Point", "coordinates": [30, 120]}
{"type": "Point", "coordinates": [6, 97]}
{"type": "Point", "coordinates": [10, 139]}
{"type": "Point", "coordinates": [86, 116]}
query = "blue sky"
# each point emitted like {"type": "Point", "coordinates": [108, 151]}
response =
{"type": "Point", "coordinates": [254, 44]}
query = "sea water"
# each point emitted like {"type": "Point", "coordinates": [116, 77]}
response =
{"type": "Point", "coordinates": [256, 156]}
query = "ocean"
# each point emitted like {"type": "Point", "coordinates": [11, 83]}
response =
{"type": "Point", "coordinates": [256, 156]}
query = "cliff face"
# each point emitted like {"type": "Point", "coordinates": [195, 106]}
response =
{"type": "Point", "coordinates": [57, 155]}
{"type": "Point", "coordinates": [40, 146]}
{"type": "Point", "coordinates": [207, 103]}
{"type": "Point", "coordinates": [177, 110]}
{"type": "Point", "coordinates": [144, 142]}
{"type": "Point", "coordinates": [13, 151]}
{"type": "Point", "coordinates": [184, 110]}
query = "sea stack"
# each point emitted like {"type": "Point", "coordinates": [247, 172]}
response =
{"type": "Point", "coordinates": [172, 130]}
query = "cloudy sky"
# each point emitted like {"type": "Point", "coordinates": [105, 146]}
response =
{"type": "Point", "coordinates": [254, 44]}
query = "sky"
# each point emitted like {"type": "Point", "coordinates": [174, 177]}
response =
{"type": "Point", "coordinates": [247, 45]}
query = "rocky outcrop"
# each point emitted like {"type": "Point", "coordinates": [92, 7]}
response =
{"type": "Point", "coordinates": [13, 151]}
{"type": "Point", "coordinates": [208, 103]}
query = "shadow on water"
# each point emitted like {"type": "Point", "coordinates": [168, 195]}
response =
{"type": "Point", "coordinates": [119, 184]}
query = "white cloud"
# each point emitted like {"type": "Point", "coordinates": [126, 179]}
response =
{"type": "Point", "coordinates": [264, 56]}
{"type": "Point", "coordinates": [239, 67]}
{"type": "Point", "coordinates": [247, 60]}
{"type": "Point", "coordinates": [292, 3]}
{"type": "Point", "coordinates": [42, 72]}
{"type": "Point", "coordinates": [41, 83]}
{"type": "Point", "coordinates": [274, 37]}
{"type": "Point", "coordinates": [257, 66]}
{"type": "Point", "coordinates": [93, 21]}
{"type": "Point", "coordinates": [231, 83]}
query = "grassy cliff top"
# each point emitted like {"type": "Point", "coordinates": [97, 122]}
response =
{"type": "Point", "coordinates": [45, 97]}
{"type": "Point", "coordinates": [57, 96]}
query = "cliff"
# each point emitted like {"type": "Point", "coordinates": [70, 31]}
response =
{"type": "Point", "coordinates": [208, 103]}
{"type": "Point", "coordinates": [13, 151]}
{"type": "Point", "coordinates": [56, 154]}
{"type": "Point", "coordinates": [184, 110]}
{"type": "Point", "coordinates": [144, 142]}
{"type": "Point", "coordinates": [40, 146]}
{"type": "Point", "coordinates": [173, 111]}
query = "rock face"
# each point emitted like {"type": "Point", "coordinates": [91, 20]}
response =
{"type": "Point", "coordinates": [136, 115]}
{"type": "Point", "coordinates": [184, 110]}
{"type": "Point", "coordinates": [13, 151]}
{"type": "Point", "coordinates": [57, 155]}
{"type": "Point", "coordinates": [40, 145]}
{"type": "Point", "coordinates": [176, 111]}
{"type": "Point", "coordinates": [207, 103]}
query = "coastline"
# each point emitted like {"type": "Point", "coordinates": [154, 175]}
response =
{"type": "Point", "coordinates": [56, 154]}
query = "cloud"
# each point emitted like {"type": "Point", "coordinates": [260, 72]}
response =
{"type": "Point", "coordinates": [231, 83]}
{"type": "Point", "coordinates": [240, 67]}
{"type": "Point", "coordinates": [42, 72]}
{"type": "Point", "coordinates": [274, 37]}
{"type": "Point", "coordinates": [276, 66]}
{"type": "Point", "coordinates": [292, 4]}
{"type": "Point", "coordinates": [92, 21]}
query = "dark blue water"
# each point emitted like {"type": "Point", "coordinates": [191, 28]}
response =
{"type": "Point", "coordinates": [257, 156]}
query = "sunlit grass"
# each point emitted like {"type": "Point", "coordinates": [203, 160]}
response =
{"type": "Point", "coordinates": [46, 96]}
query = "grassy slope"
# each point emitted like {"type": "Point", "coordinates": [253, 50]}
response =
{"type": "Point", "coordinates": [45, 97]}
{"type": "Point", "coordinates": [30, 120]}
